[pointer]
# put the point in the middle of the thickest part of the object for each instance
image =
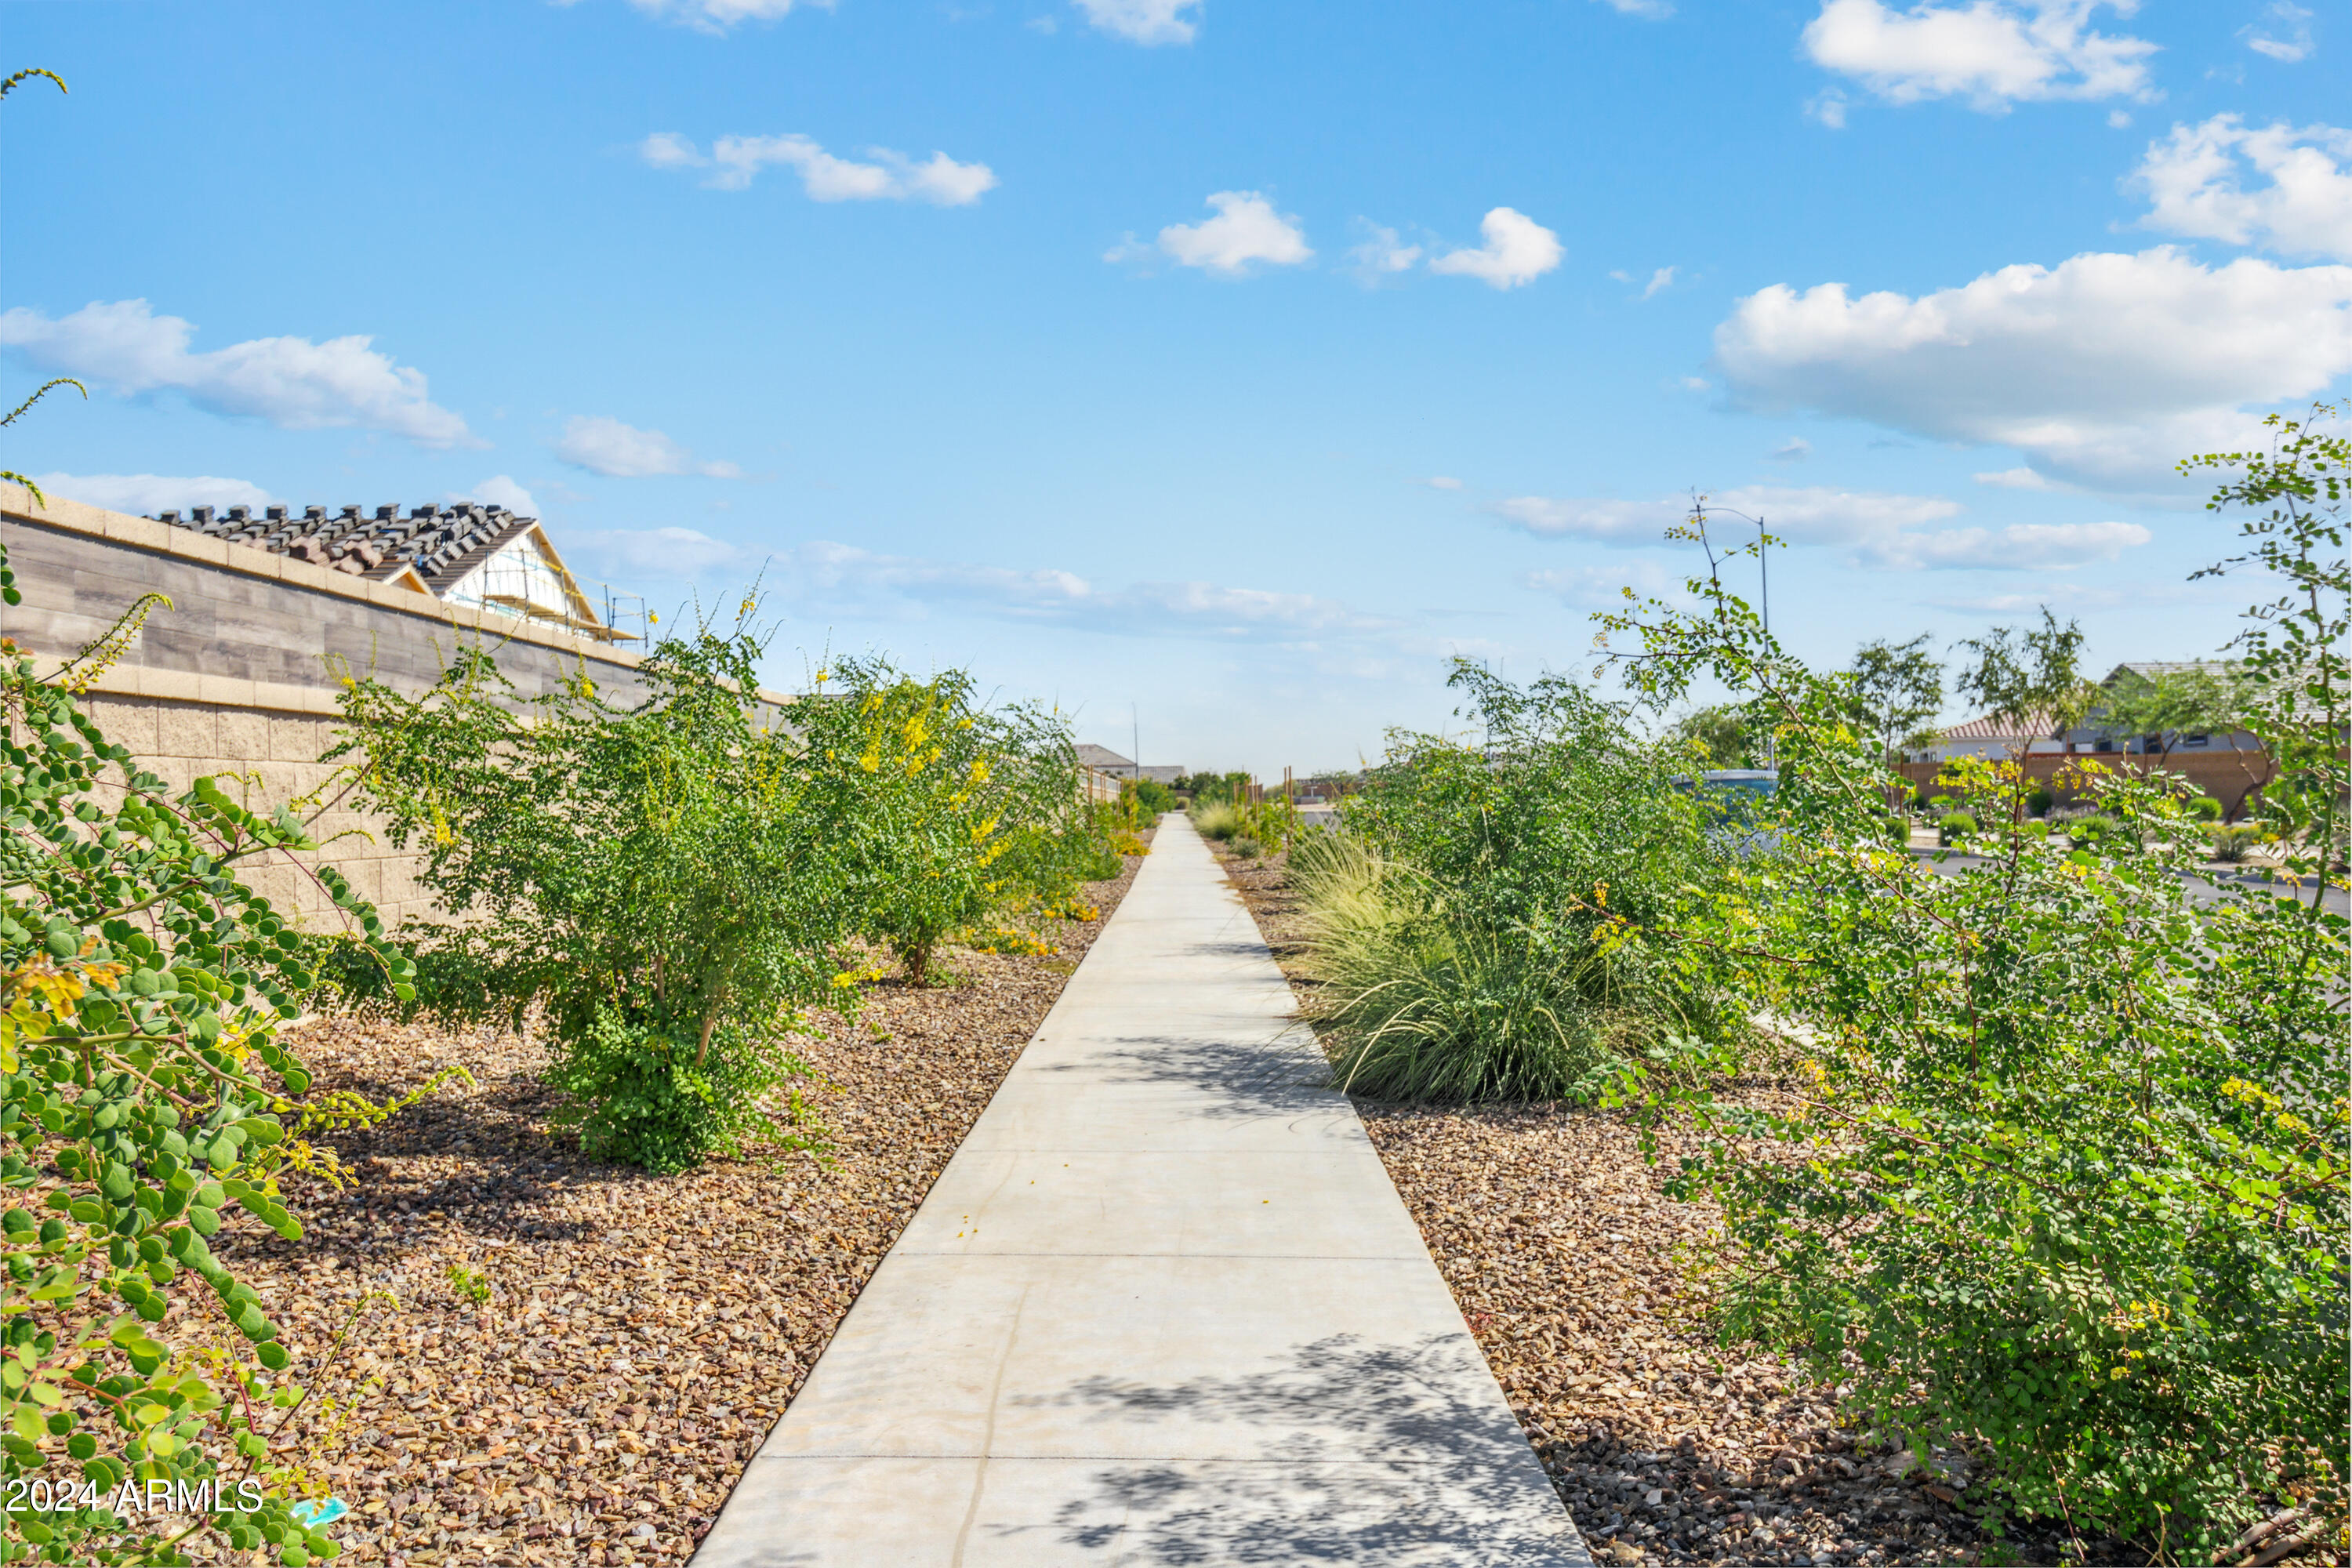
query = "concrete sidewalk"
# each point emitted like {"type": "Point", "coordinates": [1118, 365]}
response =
{"type": "Point", "coordinates": [1163, 1307]}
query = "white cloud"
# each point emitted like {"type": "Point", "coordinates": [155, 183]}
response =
{"type": "Point", "coordinates": [606, 446]}
{"type": "Point", "coordinates": [1810, 514]}
{"type": "Point", "coordinates": [716, 16]}
{"type": "Point", "coordinates": [500, 489]}
{"type": "Point", "coordinates": [1648, 10]}
{"type": "Point", "coordinates": [2290, 18]}
{"type": "Point", "coordinates": [736, 160]}
{"type": "Point", "coordinates": [1247, 229]}
{"type": "Point", "coordinates": [2019, 547]}
{"type": "Point", "coordinates": [1144, 21]}
{"type": "Point", "coordinates": [2016, 479]}
{"type": "Point", "coordinates": [293, 383]}
{"type": "Point", "coordinates": [2118, 118]}
{"type": "Point", "coordinates": [1660, 281]}
{"type": "Point", "coordinates": [845, 582]}
{"type": "Point", "coordinates": [1877, 529]}
{"type": "Point", "coordinates": [1994, 53]}
{"type": "Point", "coordinates": [2196, 185]}
{"type": "Point", "coordinates": [638, 555]}
{"type": "Point", "coordinates": [1795, 449]}
{"type": "Point", "coordinates": [1828, 108]}
{"type": "Point", "coordinates": [668, 150]}
{"type": "Point", "coordinates": [1517, 250]}
{"type": "Point", "coordinates": [2105, 369]}
{"type": "Point", "coordinates": [1382, 254]}
{"type": "Point", "coordinates": [1443, 482]}
{"type": "Point", "coordinates": [833, 574]}
{"type": "Point", "coordinates": [1600, 587]}
{"type": "Point", "coordinates": [142, 494]}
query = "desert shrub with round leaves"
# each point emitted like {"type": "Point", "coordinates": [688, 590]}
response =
{"type": "Point", "coordinates": [144, 1096]}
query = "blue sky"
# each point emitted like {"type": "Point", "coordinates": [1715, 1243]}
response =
{"type": "Point", "coordinates": [1236, 362]}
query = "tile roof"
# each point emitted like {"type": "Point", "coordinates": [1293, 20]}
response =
{"type": "Point", "coordinates": [2037, 726]}
{"type": "Point", "coordinates": [441, 544]}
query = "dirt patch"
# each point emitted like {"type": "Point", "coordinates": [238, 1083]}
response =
{"type": "Point", "coordinates": [554, 1361]}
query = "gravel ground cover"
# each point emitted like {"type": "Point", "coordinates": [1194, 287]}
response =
{"type": "Point", "coordinates": [1575, 1272]}
{"type": "Point", "coordinates": [546, 1360]}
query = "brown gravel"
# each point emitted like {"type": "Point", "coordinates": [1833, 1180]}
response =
{"type": "Point", "coordinates": [1579, 1277]}
{"type": "Point", "coordinates": [640, 1334]}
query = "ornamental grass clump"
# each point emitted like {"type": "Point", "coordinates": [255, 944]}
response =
{"type": "Point", "coordinates": [2061, 1174]}
{"type": "Point", "coordinates": [144, 1096]}
{"type": "Point", "coordinates": [1217, 819]}
{"type": "Point", "coordinates": [1466, 921]}
{"type": "Point", "coordinates": [1418, 1006]}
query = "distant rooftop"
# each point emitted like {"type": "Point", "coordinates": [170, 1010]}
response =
{"type": "Point", "coordinates": [469, 553]}
{"type": "Point", "coordinates": [2037, 727]}
{"type": "Point", "coordinates": [1103, 759]}
{"type": "Point", "coordinates": [440, 544]}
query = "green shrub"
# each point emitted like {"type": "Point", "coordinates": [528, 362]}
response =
{"type": "Point", "coordinates": [2205, 808]}
{"type": "Point", "coordinates": [143, 1095]}
{"type": "Point", "coordinates": [1955, 825]}
{"type": "Point", "coordinates": [2099, 831]}
{"type": "Point", "coordinates": [1898, 831]}
{"type": "Point", "coordinates": [1247, 848]}
{"type": "Point", "coordinates": [2063, 1174]}
{"type": "Point", "coordinates": [664, 879]}
{"type": "Point", "coordinates": [1141, 803]}
{"type": "Point", "coordinates": [671, 879]}
{"type": "Point", "coordinates": [948, 811]}
{"type": "Point", "coordinates": [2039, 800]}
{"type": "Point", "coordinates": [1530, 862]}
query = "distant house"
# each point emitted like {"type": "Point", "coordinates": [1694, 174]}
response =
{"type": "Point", "coordinates": [2229, 764]}
{"type": "Point", "coordinates": [483, 556]}
{"type": "Point", "coordinates": [2095, 737]}
{"type": "Point", "coordinates": [1103, 759]}
{"type": "Point", "coordinates": [2039, 735]}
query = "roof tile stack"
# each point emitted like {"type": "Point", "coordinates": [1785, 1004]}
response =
{"type": "Point", "coordinates": [443, 543]}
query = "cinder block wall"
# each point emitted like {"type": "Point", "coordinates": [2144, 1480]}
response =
{"type": "Point", "coordinates": [267, 760]}
{"type": "Point", "coordinates": [235, 678]}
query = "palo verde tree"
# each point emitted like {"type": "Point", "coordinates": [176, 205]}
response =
{"type": "Point", "coordinates": [1717, 734]}
{"type": "Point", "coordinates": [144, 1103]}
{"type": "Point", "coordinates": [143, 1097]}
{"type": "Point", "coordinates": [2292, 678]}
{"type": "Point", "coordinates": [2170, 706]}
{"type": "Point", "coordinates": [664, 878]}
{"type": "Point", "coordinates": [1897, 691]}
{"type": "Point", "coordinates": [950, 809]}
{"type": "Point", "coordinates": [2060, 1173]}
